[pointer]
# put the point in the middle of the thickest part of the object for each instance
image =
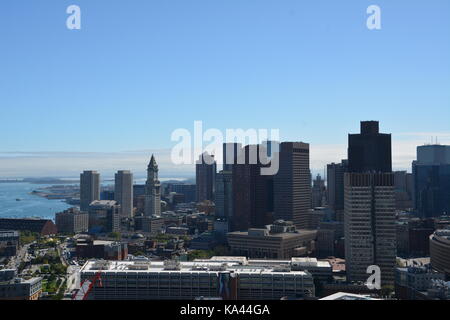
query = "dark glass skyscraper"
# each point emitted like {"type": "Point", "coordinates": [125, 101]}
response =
{"type": "Point", "coordinates": [252, 196]}
{"type": "Point", "coordinates": [205, 177]}
{"type": "Point", "coordinates": [369, 151]}
{"type": "Point", "coordinates": [431, 174]}
{"type": "Point", "coordinates": [335, 184]}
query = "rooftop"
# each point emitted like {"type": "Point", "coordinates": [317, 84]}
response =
{"type": "Point", "coordinates": [283, 235]}
{"type": "Point", "coordinates": [180, 267]}
{"type": "Point", "coordinates": [348, 296]}
{"type": "Point", "coordinates": [103, 203]}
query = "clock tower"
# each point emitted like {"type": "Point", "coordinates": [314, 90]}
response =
{"type": "Point", "coordinates": [152, 190]}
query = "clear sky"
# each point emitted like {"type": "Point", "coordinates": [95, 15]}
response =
{"type": "Point", "coordinates": [139, 69]}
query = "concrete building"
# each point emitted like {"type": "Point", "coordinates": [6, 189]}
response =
{"type": "Point", "coordinates": [72, 221]}
{"type": "Point", "coordinates": [123, 193]}
{"type": "Point", "coordinates": [369, 205]}
{"type": "Point", "coordinates": [205, 177]}
{"type": "Point", "coordinates": [9, 243]}
{"type": "Point", "coordinates": [152, 225]}
{"type": "Point", "coordinates": [369, 224]}
{"type": "Point", "coordinates": [412, 283]}
{"type": "Point", "coordinates": [99, 249]}
{"type": "Point", "coordinates": [104, 216]}
{"type": "Point", "coordinates": [89, 188]}
{"type": "Point", "coordinates": [152, 190]}
{"type": "Point", "coordinates": [318, 192]}
{"type": "Point", "coordinates": [413, 237]}
{"type": "Point", "coordinates": [292, 186]}
{"type": "Point", "coordinates": [316, 216]}
{"type": "Point", "coordinates": [172, 280]}
{"type": "Point", "coordinates": [440, 251]}
{"type": "Point", "coordinates": [320, 269]}
{"type": "Point", "coordinates": [278, 241]}
{"type": "Point", "coordinates": [13, 288]}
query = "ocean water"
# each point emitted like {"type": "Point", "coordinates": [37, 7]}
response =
{"type": "Point", "coordinates": [30, 205]}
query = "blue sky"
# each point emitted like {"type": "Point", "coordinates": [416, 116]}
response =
{"type": "Point", "coordinates": [139, 69]}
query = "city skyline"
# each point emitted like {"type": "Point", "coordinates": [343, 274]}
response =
{"type": "Point", "coordinates": [311, 69]}
{"type": "Point", "coordinates": [54, 164]}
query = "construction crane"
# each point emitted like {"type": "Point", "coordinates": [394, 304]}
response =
{"type": "Point", "coordinates": [86, 287]}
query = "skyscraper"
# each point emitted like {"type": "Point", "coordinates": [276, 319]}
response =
{"type": "Point", "coordinates": [431, 180]}
{"type": "Point", "coordinates": [224, 195]}
{"type": "Point", "coordinates": [370, 150]}
{"type": "Point", "coordinates": [335, 187]}
{"type": "Point", "coordinates": [123, 192]}
{"type": "Point", "coordinates": [318, 192]}
{"type": "Point", "coordinates": [369, 205]}
{"type": "Point", "coordinates": [205, 176]}
{"type": "Point", "coordinates": [292, 187]}
{"type": "Point", "coordinates": [231, 152]}
{"type": "Point", "coordinates": [369, 225]}
{"type": "Point", "coordinates": [252, 193]}
{"type": "Point", "coordinates": [89, 188]}
{"type": "Point", "coordinates": [152, 190]}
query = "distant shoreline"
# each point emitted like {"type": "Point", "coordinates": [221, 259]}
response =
{"type": "Point", "coordinates": [56, 181]}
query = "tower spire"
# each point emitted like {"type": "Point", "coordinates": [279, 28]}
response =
{"type": "Point", "coordinates": [152, 164]}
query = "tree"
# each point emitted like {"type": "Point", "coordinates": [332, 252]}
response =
{"type": "Point", "coordinates": [115, 235]}
{"type": "Point", "coordinates": [387, 291]}
{"type": "Point", "coordinates": [200, 254]}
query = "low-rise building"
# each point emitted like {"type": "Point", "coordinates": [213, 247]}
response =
{"type": "Point", "coordinates": [278, 241]}
{"type": "Point", "coordinates": [412, 283]}
{"type": "Point", "coordinates": [13, 288]}
{"type": "Point", "coordinates": [43, 226]}
{"type": "Point", "coordinates": [72, 221]}
{"type": "Point", "coordinates": [180, 231]}
{"type": "Point", "coordinates": [152, 225]}
{"type": "Point", "coordinates": [104, 216]}
{"type": "Point", "coordinates": [99, 249]}
{"type": "Point", "coordinates": [440, 251]}
{"type": "Point", "coordinates": [9, 243]}
{"type": "Point", "coordinates": [173, 280]}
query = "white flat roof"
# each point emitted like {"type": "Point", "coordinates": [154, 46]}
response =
{"type": "Point", "coordinates": [185, 267]}
{"type": "Point", "coordinates": [348, 296]}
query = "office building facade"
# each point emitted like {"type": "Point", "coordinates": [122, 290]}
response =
{"type": "Point", "coordinates": [89, 188]}
{"type": "Point", "coordinates": [72, 221]}
{"type": "Point", "coordinates": [205, 176]}
{"type": "Point", "coordinates": [123, 192]}
{"type": "Point", "coordinates": [173, 280]}
{"type": "Point", "coordinates": [291, 185]}
{"type": "Point", "coordinates": [104, 216]}
{"type": "Point", "coordinates": [335, 186]}
{"type": "Point", "coordinates": [369, 205]}
{"type": "Point", "coordinates": [431, 175]}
